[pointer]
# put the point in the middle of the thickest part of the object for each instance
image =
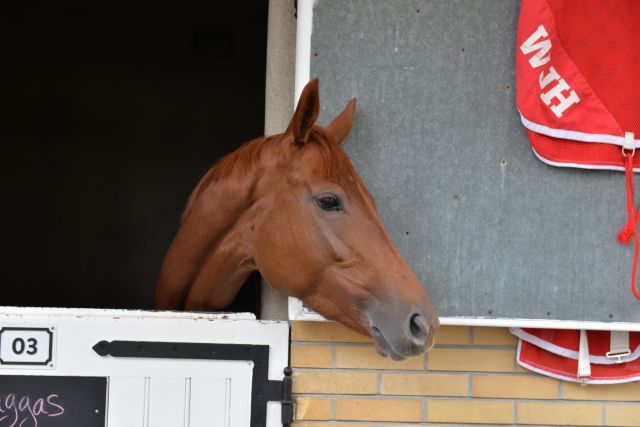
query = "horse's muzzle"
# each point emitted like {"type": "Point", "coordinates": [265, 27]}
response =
{"type": "Point", "coordinates": [399, 337]}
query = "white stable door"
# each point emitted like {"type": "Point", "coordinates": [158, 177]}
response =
{"type": "Point", "coordinates": [143, 391]}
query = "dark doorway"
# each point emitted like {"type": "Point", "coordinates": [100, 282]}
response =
{"type": "Point", "coordinates": [111, 111]}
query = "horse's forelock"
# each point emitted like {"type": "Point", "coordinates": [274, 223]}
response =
{"type": "Point", "coordinates": [336, 165]}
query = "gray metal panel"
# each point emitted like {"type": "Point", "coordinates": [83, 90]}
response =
{"type": "Point", "coordinates": [491, 230]}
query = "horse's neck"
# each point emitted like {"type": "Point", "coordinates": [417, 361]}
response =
{"type": "Point", "coordinates": [208, 260]}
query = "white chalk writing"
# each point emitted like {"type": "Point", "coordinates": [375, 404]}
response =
{"type": "Point", "coordinates": [28, 411]}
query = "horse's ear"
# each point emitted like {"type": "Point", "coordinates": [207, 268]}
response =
{"type": "Point", "coordinates": [306, 112]}
{"type": "Point", "coordinates": [340, 127]}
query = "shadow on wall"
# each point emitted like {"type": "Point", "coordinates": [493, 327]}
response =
{"type": "Point", "coordinates": [110, 114]}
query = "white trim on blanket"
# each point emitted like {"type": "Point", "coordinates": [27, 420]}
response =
{"type": "Point", "coordinates": [568, 378]}
{"type": "Point", "coordinates": [579, 165]}
{"type": "Point", "coordinates": [598, 138]}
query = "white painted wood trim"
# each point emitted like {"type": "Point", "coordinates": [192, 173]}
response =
{"type": "Point", "coordinates": [302, 76]}
{"type": "Point", "coordinates": [303, 46]}
{"type": "Point", "coordinates": [119, 314]}
{"type": "Point", "coordinates": [298, 312]}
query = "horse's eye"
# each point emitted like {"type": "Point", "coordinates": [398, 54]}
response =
{"type": "Point", "coordinates": [329, 203]}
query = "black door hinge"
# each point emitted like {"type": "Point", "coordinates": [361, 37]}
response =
{"type": "Point", "coordinates": [263, 389]}
{"type": "Point", "coordinates": [285, 400]}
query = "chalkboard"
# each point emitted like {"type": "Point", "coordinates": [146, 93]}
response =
{"type": "Point", "coordinates": [490, 230]}
{"type": "Point", "coordinates": [48, 401]}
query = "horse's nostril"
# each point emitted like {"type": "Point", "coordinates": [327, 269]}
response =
{"type": "Point", "coordinates": [418, 329]}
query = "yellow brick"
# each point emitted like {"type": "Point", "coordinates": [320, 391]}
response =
{"type": "Point", "coordinates": [335, 382]}
{"type": "Point", "coordinates": [360, 356]}
{"type": "Point", "coordinates": [311, 356]}
{"type": "Point", "coordinates": [379, 410]}
{"type": "Point", "coordinates": [313, 408]}
{"type": "Point", "coordinates": [452, 335]}
{"type": "Point", "coordinates": [336, 425]}
{"type": "Point", "coordinates": [570, 414]}
{"type": "Point", "coordinates": [463, 359]}
{"type": "Point", "coordinates": [628, 391]}
{"type": "Point", "coordinates": [469, 411]}
{"type": "Point", "coordinates": [418, 425]}
{"type": "Point", "coordinates": [493, 336]}
{"type": "Point", "coordinates": [622, 415]}
{"type": "Point", "coordinates": [427, 384]}
{"type": "Point", "coordinates": [515, 386]}
{"type": "Point", "coordinates": [324, 331]}
{"type": "Point", "coordinates": [525, 370]}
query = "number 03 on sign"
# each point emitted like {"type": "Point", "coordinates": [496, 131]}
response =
{"type": "Point", "coordinates": [31, 347]}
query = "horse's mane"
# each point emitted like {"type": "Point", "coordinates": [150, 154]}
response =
{"type": "Point", "coordinates": [335, 164]}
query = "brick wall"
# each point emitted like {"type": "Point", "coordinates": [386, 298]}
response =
{"type": "Point", "coordinates": [470, 377]}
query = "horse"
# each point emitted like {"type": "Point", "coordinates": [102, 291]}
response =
{"type": "Point", "coordinates": [292, 207]}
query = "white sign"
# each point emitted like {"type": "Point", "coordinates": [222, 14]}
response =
{"type": "Point", "coordinates": [26, 347]}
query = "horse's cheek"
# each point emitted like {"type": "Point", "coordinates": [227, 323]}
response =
{"type": "Point", "coordinates": [283, 253]}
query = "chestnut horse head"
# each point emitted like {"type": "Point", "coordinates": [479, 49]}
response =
{"type": "Point", "coordinates": [292, 207]}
